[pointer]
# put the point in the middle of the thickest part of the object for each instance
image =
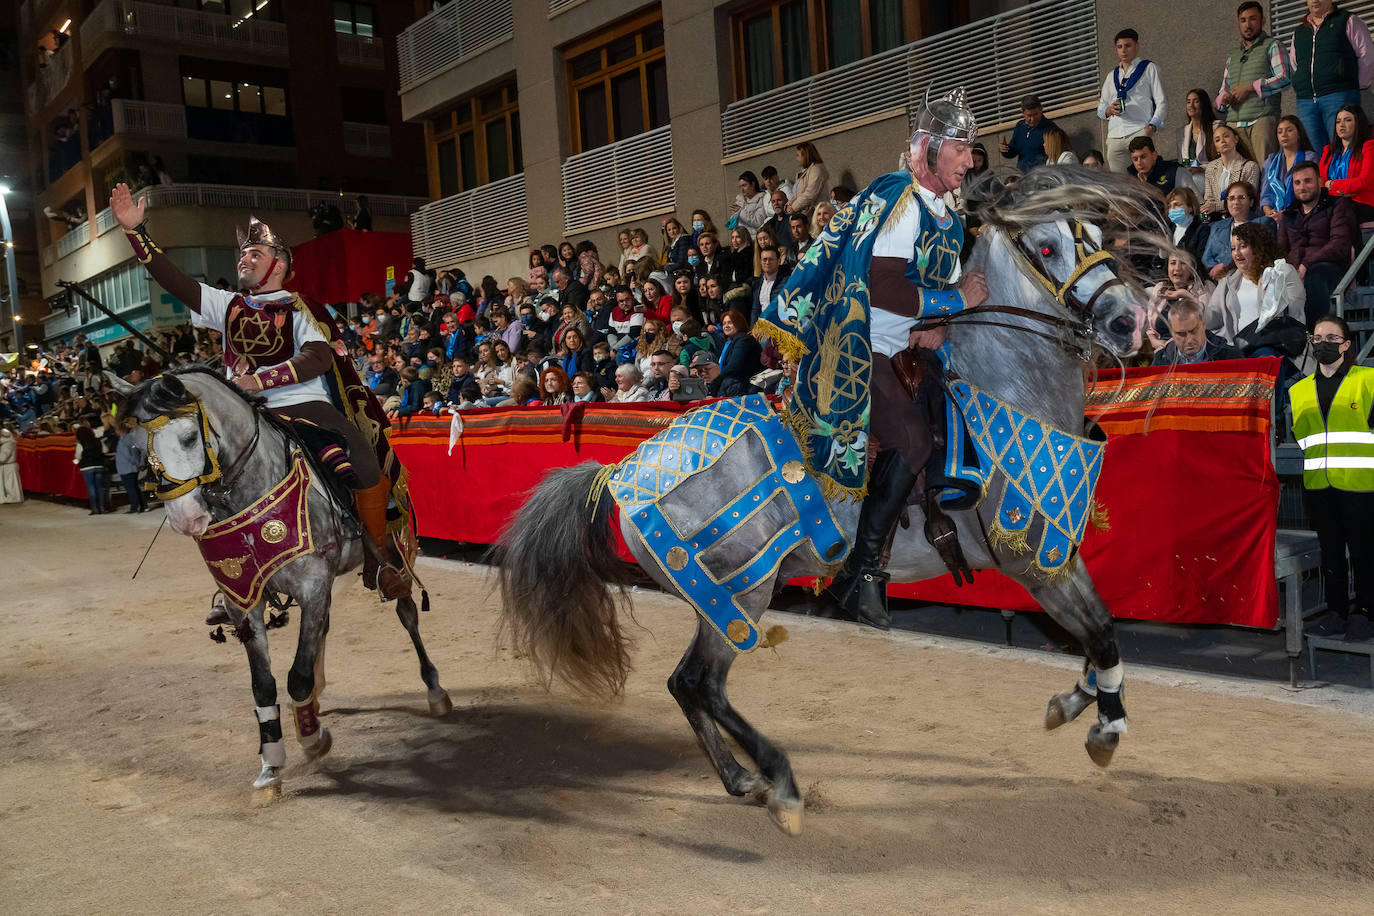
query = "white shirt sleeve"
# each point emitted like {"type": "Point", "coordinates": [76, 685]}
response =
{"type": "Point", "coordinates": [1157, 94]}
{"type": "Point", "coordinates": [214, 305]}
{"type": "Point", "coordinates": [305, 329]}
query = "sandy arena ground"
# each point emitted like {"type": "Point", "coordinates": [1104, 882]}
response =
{"type": "Point", "coordinates": [127, 745]}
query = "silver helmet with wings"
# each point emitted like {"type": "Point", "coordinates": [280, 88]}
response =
{"type": "Point", "coordinates": [947, 117]}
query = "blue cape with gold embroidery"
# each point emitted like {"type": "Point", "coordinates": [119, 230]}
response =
{"type": "Point", "coordinates": [820, 319]}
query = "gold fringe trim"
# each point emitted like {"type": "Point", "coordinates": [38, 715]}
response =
{"type": "Point", "coordinates": [1098, 517]}
{"type": "Point", "coordinates": [1015, 541]}
{"type": "Point", "coordinates": [600, 483]}
{"type": "Point", "coordinates": [788, 344]}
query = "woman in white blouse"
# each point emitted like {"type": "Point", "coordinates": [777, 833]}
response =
{"type": "Point", "coordinates": [1058, 149]}
{"type": "Point", "coordinates": [1257, 292]}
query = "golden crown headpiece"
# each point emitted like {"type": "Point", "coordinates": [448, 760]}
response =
{"type": "Point", "coordinates": [259, 233]}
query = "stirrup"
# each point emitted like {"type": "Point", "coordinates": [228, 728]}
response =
{"type": "Point", "coordinates": [943, 535]}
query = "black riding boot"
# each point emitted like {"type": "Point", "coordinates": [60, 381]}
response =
{"type": "Point", "coordinates": [861, 587]}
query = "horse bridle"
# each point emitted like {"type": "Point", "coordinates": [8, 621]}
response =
{"type": "Point", "coordinates": [1077, 320]}
{"type": "Point", "coordinates": [169, 487]}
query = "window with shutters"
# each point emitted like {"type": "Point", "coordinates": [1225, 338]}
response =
{"type": "Point", "coordinates": [618, 82]}
{"type": "Point", "coordinates": [476, 142]}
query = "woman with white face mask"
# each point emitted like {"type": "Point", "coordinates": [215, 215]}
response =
{"type": "Point", "coordinates": [1333, 423]}
{"type": "Point", "coordinates": [1189, 231]}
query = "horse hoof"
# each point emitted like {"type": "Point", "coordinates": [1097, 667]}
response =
{"type": "Point", "coordinates": [268, 779]}
{"type": "Point", "coordinates": [1065, 707]}
{"type": "Point", "coordinates": [786, 813]}
{"type": "Point", "coordinates": [1101, 745]}
{"type": "Point", "coordinates": [439, 703]}
{"type": "Point", "coordinates": [319, 746]}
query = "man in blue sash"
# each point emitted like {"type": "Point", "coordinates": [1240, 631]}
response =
{"type": "Point", "coordinates": [912, 275]}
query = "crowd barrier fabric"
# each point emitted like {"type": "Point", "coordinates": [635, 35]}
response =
{"type": "Point", "coordinates": [47, 466]}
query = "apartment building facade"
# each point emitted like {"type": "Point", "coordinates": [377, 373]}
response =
{"type": "Point", "coordinates": [553, 119]}
{"type": "Point", "coordinates": [252, 106]}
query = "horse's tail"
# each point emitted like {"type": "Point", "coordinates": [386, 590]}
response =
{"type": "Point", "coordinates": [562, 584]}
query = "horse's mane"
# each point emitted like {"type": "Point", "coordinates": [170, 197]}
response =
{"type": "Point", "coordinates": [1126, 210]}
{"type": "Point", "coordinates": [165, 393]}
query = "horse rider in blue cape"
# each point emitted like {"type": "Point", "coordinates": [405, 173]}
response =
{"type": "Point", "coordinates": [288, 350]}
{"type": "Point", "coordinates": [913, 273]}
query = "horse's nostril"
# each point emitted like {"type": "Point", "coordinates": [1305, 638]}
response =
{"type": "Point", "coordinates": [1125, 324]}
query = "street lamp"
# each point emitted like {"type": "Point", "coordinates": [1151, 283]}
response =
{"type": "Point", "coordinates": [15, 309]}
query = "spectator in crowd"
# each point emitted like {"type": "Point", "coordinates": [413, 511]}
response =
{"type": "Point", "coordinates": [588, 263]}
{"type": "Point", "coordinates": [421, 282]}
{"type": "Point", "coordinates": [655, 337]}
{"type": "Point", "coordinates": [800, 227]}
{"type": "Point", "coordinates": [524, 392]}
{"type": "Point", "coordinates": [1330, 60]}
{"type": "Point", "coordinates": [584, 388]}
{"type": "Point", "coordinates": [432, 403]}
{"type": "Point", "coordinates": [1094, 159]}
{"type": "Point", "coordinates": [843, 194]}
{"type": "Point", "coordinates": [1058, 148]}
{"type": "Point", "coordinates": [1027, 143]}
{"type": "Point", "coordinates": [813, 180]}
{"type": "Point", "coordinates": [1195, 146]}
{"type": "Point", "coordinates": [496, 371]}
{"type": "Point", "coordinates": [657, 302]}
{"type": "Point", "coordinates": [1255, 76]}
{"type": "Point", "coordinates": [1318, 231]}
{"type": "Point", "coordinates": [90, 459]}
{"type": "Point", "coordinates": [695, 339]}
{"type": "Point", "coordinates": [380, 377]}
{"type": "Point", "coordinates": [574, 355]}
{"type": "Point", "coordinates": [764, 238]}
{"type": "Point", "coordinates": [555, 387]}
{"type": "Point", "coordinates": [701, 223]}
{"type": "Point", "coordinates": [751, 208]}
{"type": "Point", "coordinates": [362, 215]}
{"type": "Point", "coordinates": [676, 241]}
{"type": "Point", "coordinates": [1189, 339]}
{"type": "Point", "coordinates": [1261, 298]}
{"type": "Point", "coordinates": [506, 326]}
{"type": "Point", "coordinates": [714, 261]}
{"type": "Point", "coordinates": [825, 211]}
{"type": "Point", "coordinates": [461, 377]}
{"type": "Point", "coordinates": [711, 306]}
{"type": "Point", "coordinates": [571, 292]}
{"type": "Point", "coordinates": [718, 385]}
{"type": "Point", "coordinates": [684, 296]}
{"type": "Point", "coordinates": [1190, 232]}
{"type": "Point", "coordinates": [623, 242]}
{"type": "Point", "coordinates": [741, 257]}
{"type": "Point", "coordinates": [469, 398]}
{"type": "Point", "coordinates": [413, 390]}
{"type": "Point", "coordinates": [771, 181]}
{"type": "Point", "coordinates": [567, 257]}
{"type": "Point", "coordinates": [1131, 102]}
{"type": "Point", "coordinates": [1333, 422]}
{"type": "Point", "coordinates": [603, 364]}
{"type": "Point", "coordinates": [741, 356]}
{"type": "Point", "coordinates": [130, 457]}
{"type": "Point", "coordinates": [779, 228]}
{"type": "Point", "coordinates": [1181, 281]}
{"type": "Point", "coordinates": [1152, 168]}
{"type": "Point", "coordinates": [639, 249]}
{"type": "Point", "coordinates": [1240, 203]}
{"type": "Point", "coordinates": [770, 281]}
{"type": "Point", "coordinates": [1347, 164]}
{"type": "Point", "coordinates": [627, 388]}
{"type": "Point", "coordinates": [627, 318]}
{"type": "Point", "coordinates": [1233, 163]}
{"type": "Point", "coordinates": [1276, 189]}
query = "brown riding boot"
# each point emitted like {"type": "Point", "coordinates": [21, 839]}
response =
{"type": "Point", "coordinates": [384, 577]}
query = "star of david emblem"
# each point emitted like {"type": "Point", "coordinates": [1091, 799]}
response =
{"type": "Point", "coordinates": [256, 336]}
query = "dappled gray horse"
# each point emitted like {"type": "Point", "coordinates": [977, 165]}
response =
{"type": "Point", "coordinates": [1056, 293]}
{"type": "Point", "coordinates": [225, 468]}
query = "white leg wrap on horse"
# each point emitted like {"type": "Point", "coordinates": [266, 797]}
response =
{"type": "Point", "coordinates": [1111, 678]}
{"type": "Point", "coordinates": [274, 754]}
{"type": "Point", "coordinates": [267, 713]}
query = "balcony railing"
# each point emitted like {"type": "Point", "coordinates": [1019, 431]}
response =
{"type": "Point", "coordinates": [361, 51]}
{"type": "Point", "coordinates": [241, 197]}
{"type": "Point", "coordinates": [486, 219]}
{"type": "Point", "coordinates": [624, 180]}
{"type": "Point", "coordinates": [52, 78]}
{"type": "Point", "coordinates": [1048, 47]}
{"type": "Point", "coordinates": [182, 28]}
{"type": "Point", "coordinates": [76, 237]}
{"type": "Point", "coordinates": [366, 139]}
{"type": "Point", "coordinates": [450, 35]}
{"type": "Point", "coordinates": [153, 119]}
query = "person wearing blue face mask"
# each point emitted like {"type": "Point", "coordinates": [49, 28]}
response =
{"type": "Point", "coordinates": [1189, 231]}
{"type": "Point", "coordinates": [701, 222]}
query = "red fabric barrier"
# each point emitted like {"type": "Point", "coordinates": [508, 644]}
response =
{"type": "Point", "coordinates": [340, 266]}
{"type": "Point", "coordinates": [47, 466]}
{"type": "Point", "coordinates": [1187, 482]}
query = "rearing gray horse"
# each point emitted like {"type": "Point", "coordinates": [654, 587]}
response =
{"type": "Point", "coordinates": [222, 459]}
{"type": "Point", "coordinates": [1056, 293]}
